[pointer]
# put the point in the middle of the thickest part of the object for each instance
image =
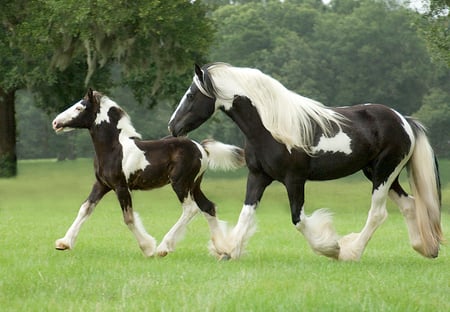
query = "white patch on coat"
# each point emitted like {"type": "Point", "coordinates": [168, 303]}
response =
{"type": "Point", "coordinates": [203, 159]}
{"type": "Point", "coordinates": [105, 104]}
{"type": "Point", "coordinates": [407, 128]}
{"type": "Point", "coordinates": [133, 158]}
{"type": "Point", "coordinates": [339, 143]}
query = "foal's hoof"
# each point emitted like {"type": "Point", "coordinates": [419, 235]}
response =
{"type": "Point", "coordinates": [60, 245]}
{"type": "Point", "coordinates": [162, 253]}
{"type": "Point", "coordinates": [224, 257]}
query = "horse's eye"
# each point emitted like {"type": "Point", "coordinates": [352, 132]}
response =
{"type": "Point", "coordinates": [190, 96]}
{"type": "Point", "coordinates": [79, 108]}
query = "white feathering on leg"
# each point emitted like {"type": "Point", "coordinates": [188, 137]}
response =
{"type": "Point", "coordinates": [319, 231]}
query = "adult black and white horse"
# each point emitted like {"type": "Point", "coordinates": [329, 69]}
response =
{"type": "Point", "coordinates": [293, 139]}
{"type": "Point", "coordinates": [123, 162]}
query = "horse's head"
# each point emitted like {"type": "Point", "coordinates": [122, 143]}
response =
{"type": "Point", "coordinates": [196, 106]}
{"type": "Point", "coordinates": [80, 115]}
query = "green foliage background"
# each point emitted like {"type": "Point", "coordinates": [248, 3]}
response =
{"type": "Point", "coordinates": [344, 53]}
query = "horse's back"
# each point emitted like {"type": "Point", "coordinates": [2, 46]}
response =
{"type": "Point", "coordinates": [370, 133]}
{"type": "Point", "coordinates": [376, 126]}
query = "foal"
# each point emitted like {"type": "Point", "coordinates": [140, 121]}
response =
{"type": "Point", "coordinates": [123, 162]}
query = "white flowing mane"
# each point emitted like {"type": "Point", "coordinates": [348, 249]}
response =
{"type": "Point", "coordinates": [288, 116]}
{"type": "Point", "coordinates": [124, 124]}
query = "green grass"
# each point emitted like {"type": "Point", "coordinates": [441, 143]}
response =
{"type": "Point", "coordinates": [107, 272]}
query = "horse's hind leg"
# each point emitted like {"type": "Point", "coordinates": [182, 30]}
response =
{"type": "Point", "coordinates": [408, 209]}
{"type": "Point", "coordinates": [68, 241]}
{"type": "Point", "coordinates": [177, 231]}
{"type": "Point", "coordinates": [353, 245]}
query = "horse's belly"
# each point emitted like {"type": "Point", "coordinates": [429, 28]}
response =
{"type": "Point", "coordinates": [335, 165]}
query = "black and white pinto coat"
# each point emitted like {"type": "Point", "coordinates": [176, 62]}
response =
{"type": "Point", "coordinates": [293, 139]}
{"type": "Point", "coordinates": [124, 162]}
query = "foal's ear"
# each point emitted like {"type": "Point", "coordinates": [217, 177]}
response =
{"type": "Point", "coordinates": [199, 72]}
{"type": "Point", "coordinates": [90, 95]}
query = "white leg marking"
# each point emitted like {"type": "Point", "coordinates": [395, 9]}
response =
{"type": "Point", "coordinates": [353, 245]}
{"type": "Point", "coordinates": [176, 233]}
{"type": "Point", "coordinates": [407, 207]}
{"type": "Point", "coordinates": [219, 230]}
{"type": "Point", "coordinates": [319, 231]}
{"type": "Point", "coordinates": [146, 242]}
{"type": "Point", "coordinates": [68, 241]}
{"type": "Point", "coordinates": [241, 233]}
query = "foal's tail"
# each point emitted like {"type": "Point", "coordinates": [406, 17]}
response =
{"type": "Point", "coordinates": [223, 156]}
{"type": "Point", "coordinates": [426, 188]}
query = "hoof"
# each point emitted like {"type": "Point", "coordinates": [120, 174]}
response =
{"type": "Point", "coordinates": [162, 253]}
{"type": "Point", "coordinates": [349, 250]}
{"type": "Point", "coordinates": [60, 245]}
{"type": "Point", "coordinates": [224, 257]}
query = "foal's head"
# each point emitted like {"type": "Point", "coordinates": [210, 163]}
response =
{"type": "Point", "coordinates": [80, 115]}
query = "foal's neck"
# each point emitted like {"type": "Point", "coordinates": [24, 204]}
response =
{"type": "Point", "coordinates": [105, 138]}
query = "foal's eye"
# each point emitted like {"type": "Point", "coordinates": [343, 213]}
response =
{"type": "Point", "coordinates": [79, 108]}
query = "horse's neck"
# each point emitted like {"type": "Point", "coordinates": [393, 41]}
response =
{"type": "Point", "coordinates": [246, 117]}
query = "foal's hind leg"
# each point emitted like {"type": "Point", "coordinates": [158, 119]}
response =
{"type": "Point", "coordinates": [408, 209]}
{"type": "Point", "coordinates": [167, 245]}
{"type": "Point", "coordinates": [68, 241]}
{"type": "Point", "coordinates": [236, 240]}
{"type": "Point", "coordinates": [217, 228]}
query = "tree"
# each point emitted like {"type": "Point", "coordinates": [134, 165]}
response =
{"type": "Point", "coordinates": [349, 52]}
{"type": "Point", "coordinates": [435, 114]}
{"type": "Point", "coordinates": [437, 29]}
{"type": "Point", "coordinates": [56, 48]}
{"type": "Point", "coordinates": [373, 54]}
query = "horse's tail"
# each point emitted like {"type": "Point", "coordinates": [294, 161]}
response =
{"type": "Point", "coordinates": [223, 156]}
{"type": "Point", "coordinates": [426, 188]}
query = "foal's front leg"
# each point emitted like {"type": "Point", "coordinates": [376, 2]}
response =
{"type": "Point", "coordinates": [146, 242]}
{"type": "Point", "coordinates": [68, 241]}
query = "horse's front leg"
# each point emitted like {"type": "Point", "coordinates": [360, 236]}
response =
{"type": "Point", "coordinates": [146, 242]}
{"type": "Point", "coordinates": [246, 225]}
{"type": "Point", "coordinates": [68, 241]}
{"type": "Point", "coordinates": [317, 229]}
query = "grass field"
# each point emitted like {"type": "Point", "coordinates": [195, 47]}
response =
{"type": "Point", "coordinates": [107, 272]}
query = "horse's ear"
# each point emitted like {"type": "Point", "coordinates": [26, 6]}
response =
{"type": "Point", "coordinates": [90, 95]}
{"type": "Point", "coordinates": [199, 72]}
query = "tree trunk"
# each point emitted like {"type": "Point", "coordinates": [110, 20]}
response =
{"type": "Point", "coordinates": [8, 156]}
